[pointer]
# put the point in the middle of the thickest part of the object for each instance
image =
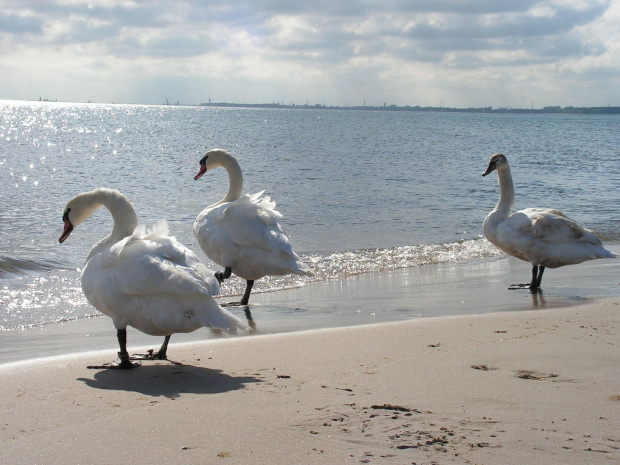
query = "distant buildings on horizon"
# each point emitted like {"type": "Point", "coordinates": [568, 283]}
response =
{"type": "Point", "coordinates": [608, 110]}
{"type": "Point", "coordinates": [550, 109]}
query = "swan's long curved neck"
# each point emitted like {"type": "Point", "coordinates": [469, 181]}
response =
{"type": "Point", "coordinates": [506, 192]}
{"type": "Point", "coordinates": [235, 178]}
{"type": "Point", "coordinates": [123, 215]}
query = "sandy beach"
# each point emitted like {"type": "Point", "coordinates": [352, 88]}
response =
{"type": "Point", "coordinates": [532, 380]}
{"type": "Point", "coordinates": [519, 387]}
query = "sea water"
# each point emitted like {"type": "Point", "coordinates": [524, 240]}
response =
{"type": "Point", "coordinates": [360, 191]}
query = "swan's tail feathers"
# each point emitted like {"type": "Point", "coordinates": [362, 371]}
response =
{"type": "Point", "coordinates": [219, 317]}
{"type": "Point", "coordinates": [602, 252]}
{"type": "Point", "coordinates": [158, 230]}
{"type": "Point", "coordinates": [235, 324]}
{"type": "Point", "coordinates": [265, 203]}
{"type": "Point", "coordinates": [303, 269]}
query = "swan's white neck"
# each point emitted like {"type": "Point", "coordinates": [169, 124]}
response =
{"type": "Point", "coordinates": [235, 178]}
{"type": "Point", "coordinates": [506, 192]}
{"type": "Point", "coordinates": [123, 215]}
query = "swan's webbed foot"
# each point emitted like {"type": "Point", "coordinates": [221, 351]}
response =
{"type": "Point", "coordinates": [534, 285]}
{"type": "Point", "coordinates": [514, 287]}
{"type": "Point", "coordinates": [533, 290]}
{"type": "Point", "coordinates": [123, 363]}
{"type": "Point", "coordinates": [233, 304]}
{"type": "Point", "coordinates": [150, 355]}
{"type": "Point", "coordinates": [238, 303]}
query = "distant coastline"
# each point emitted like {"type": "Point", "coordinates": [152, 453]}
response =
{"type": "Point", "coordinates": [546, 110]}
{"type": "Point", "coordinates": [569, 110]}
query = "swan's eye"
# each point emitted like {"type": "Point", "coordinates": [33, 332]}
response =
{"type": "Point", "coordinates": [65, 216]}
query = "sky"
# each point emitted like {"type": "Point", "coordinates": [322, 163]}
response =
{"type": "Point", "coordinates": [450, 53]}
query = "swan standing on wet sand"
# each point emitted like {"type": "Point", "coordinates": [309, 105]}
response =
{"type": "Point", "coordinates": [545, 238]}
{"type": "Point", "coordinates": [144, 279]}
{"type": "Point", "coordinates": [242, 233]}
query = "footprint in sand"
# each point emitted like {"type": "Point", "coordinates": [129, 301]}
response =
{"type": "Point", "coordinates": [482, 367]}
{"type": "Point", "coordinates": [529, 374]}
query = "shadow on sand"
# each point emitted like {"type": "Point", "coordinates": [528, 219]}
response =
{"type": "Point", "coordinates": [170, 381]}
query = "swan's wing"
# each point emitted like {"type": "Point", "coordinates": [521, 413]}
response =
{"type": "Point", "coordinates": [151, 269]}
{"type": "Point", "coordinates": [552, 226]}
{"type": "Point", "coordinates": [149, 262]}
{"type": "Point", "coordinates": [252, 221]}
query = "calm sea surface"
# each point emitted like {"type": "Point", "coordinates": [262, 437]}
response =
{"type": "Point", "coordinates": [360, 191]}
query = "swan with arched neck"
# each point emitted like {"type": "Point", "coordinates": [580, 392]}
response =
{"type": "Point", "coordinates": [144, 278]}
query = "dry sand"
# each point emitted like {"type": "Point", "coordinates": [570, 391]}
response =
{"type": "Point", "coordinates": [505, 388]}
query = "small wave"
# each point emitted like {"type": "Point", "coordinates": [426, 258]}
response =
{"type": "Point", "coordinates": [57, 297]}
{"type": "Point", "coordinates": [9, 267]}
{"type": "Point", "coordinates": [344, 264]}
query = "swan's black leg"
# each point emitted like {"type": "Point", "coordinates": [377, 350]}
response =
{"type": "Point", "coordinates": [222, 275]}
{"type": "Point", "coordinates": [161, 355]}
{"type": "Point", "coordinates": [533, 283]}
{"type": "Point", "coordinates": [541, 270]}
{"type": "Point", "coordinates": [537, 273]}
{"type": "Point", "coordinates": [121, 334]}
{"type": "Point", "coordinates": [248, 290]}
{"type": "Point", "coordinates": [246, 296]}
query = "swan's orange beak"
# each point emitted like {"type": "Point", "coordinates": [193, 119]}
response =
{"type": "Point", "coordinates": [201, 171]}
{"type": "Point", "coordinates": [68, 228]}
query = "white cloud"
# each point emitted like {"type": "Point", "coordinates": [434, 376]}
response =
{"type": "Point", "coordinates": [475, 53]}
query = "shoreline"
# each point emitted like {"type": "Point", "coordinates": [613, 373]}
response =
{"type": "Point", "coordinates": [466, 288]}
{"type": "Point", "coordinates": [215, 339]}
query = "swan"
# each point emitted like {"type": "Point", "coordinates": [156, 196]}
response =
{"type": "Point", "coordinates": [545, 238]}
{"type": "Point", "coordinates": [144, 278]}
{"type": "Point", "coordinates": [242, 233]}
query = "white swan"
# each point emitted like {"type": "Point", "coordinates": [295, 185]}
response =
{"type": "Point", "coordinates": [242, 233]}
{"type": "Point", "coordinates": [144, 279]}
{"type": "Point", "coordinates": [545, 238]}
